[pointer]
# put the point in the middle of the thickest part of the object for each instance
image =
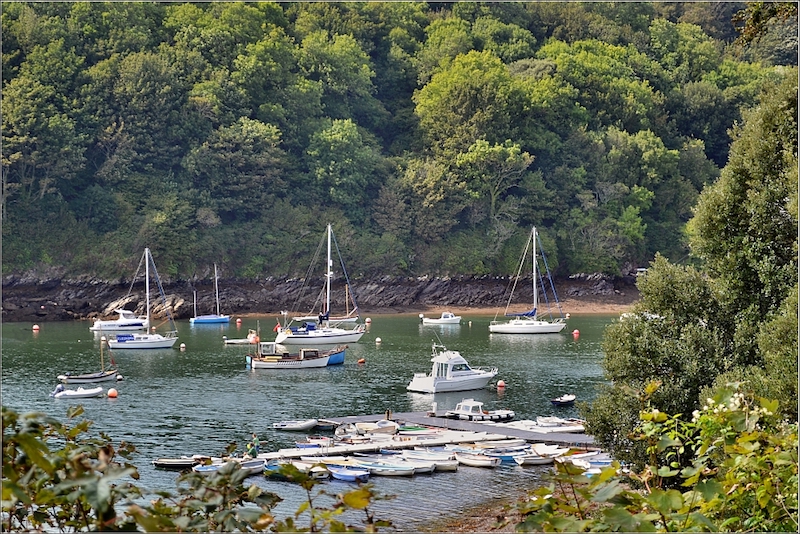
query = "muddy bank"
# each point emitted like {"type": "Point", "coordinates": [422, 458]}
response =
{"type": "Point", "coordinates": [61, 299]}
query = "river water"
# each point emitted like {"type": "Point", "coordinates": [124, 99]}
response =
{"type": "Point", "coordinates": [198, 400]}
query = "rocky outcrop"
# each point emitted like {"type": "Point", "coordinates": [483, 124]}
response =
{"type": "Point", "coordinates": [62, 299]}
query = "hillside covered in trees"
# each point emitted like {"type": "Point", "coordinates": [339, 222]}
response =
{"type": "Point", "coordinates": [431, 135]}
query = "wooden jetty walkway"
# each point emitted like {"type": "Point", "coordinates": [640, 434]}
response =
{"type": "Point", "coordinates": [453, 431]}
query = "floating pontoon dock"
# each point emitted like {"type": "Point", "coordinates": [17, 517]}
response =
{"type": "Point", "coordinates": [452, 431]}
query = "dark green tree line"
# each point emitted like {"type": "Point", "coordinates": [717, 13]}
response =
{"type": "Point", "coordinates": [180, 124]}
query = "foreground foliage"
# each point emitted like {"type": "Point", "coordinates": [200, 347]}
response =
{"type": "Point", "coordinates": [55, 477]}
{"type": "Point", "coordinates": [741, 477]}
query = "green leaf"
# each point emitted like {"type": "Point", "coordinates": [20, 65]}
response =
{"type": "Point", "coordinates": [665, 501]}
{"type": "Point", "coordinates": [666, 442]}
{"type": "Point", "coordinates": [709, 489]}
{"type": "Point", "coordinates": [607, 492]}
{"type": "Point", "coordinates": [665, 471]}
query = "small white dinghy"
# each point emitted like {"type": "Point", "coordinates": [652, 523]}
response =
{"type": "Point", "coordinates": [297, 425]}
{"type": "Point", "coordinates": [81, 393]}
{"type": "Point", "coordinates": [477, 460]}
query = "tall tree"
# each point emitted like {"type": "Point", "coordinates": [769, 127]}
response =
{"type": "Point", "coordinates": [696, 324]}
{"type": "Point", "coordinates": [491, 170]}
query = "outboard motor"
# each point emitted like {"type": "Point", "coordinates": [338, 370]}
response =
{"type": "Point", "coordinates": [59, 389]}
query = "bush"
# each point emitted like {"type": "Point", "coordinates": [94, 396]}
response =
{"type": "Point", "coordinates": [742, 477]}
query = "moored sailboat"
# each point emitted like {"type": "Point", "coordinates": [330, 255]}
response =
{"type": "Point", "coordinates": [103, 375]}
{"type": "Point", "coordinates": [321, 331]}
{"type": "Point", "coordinates": [147, 340]}
{"type": "Point", "coordinates": [211, 318]}
{"type": "Point", "coordinates": [529, 322]}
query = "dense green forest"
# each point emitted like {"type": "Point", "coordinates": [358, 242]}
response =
{"type": "Point", "coordinates": [432, 135]}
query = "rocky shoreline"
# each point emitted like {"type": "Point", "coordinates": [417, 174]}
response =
{"type": "Point", "coordinates": [31, 299]}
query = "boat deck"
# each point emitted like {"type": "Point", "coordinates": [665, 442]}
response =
{"type": "Point", "coordinates": [457, 431]}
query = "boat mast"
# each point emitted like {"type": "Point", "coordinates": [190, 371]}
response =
{"type": "Point", "coordinates": [328, 277]}
{"type": "Point", "coordinates": [147, 281]}
{"type": "Point", "coordinates": [216, 286]}
{"type": "Point", "coordinates": [535, 282]}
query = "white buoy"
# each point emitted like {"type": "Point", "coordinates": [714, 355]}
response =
{"type": "Point", "coordinates": [421, 315]}
{"type": "Point", "coordinates": [567, 316]}
{"type": "Point", "coordinates": [368, 320]}
{"type": "Point", "coordinates": [377, 341]}
{"type": "Point", "coordinates": [183, 347]}
{"type": "Point", "coordinates": [501, 384]}
{"type": "Point", "coordinates": [112, 393]}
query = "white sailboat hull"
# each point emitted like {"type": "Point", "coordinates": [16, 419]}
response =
{"type": "Point", "coordinates": [142, 341]}
{"type": "Point", "coordinates": [89, 378]}
{"type": "Point", "coordinates": [527, 326]}
{"type": "Point", "coordinates": [321, 336]}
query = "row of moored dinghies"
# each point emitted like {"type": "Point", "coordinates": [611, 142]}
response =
{"type": "Point", "coordinates": [388, 448]}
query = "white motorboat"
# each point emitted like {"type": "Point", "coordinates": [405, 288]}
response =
{"type": "Point", "coordinates": [477, 460]}
{"type": "Point", "coordinates": [446, 318]}
{"type": "Point", "coordinates": [450, 372]}
{"type": "Point", "coordinates": [320, 330]}
{"type": "Point", "coordinates": [529, 322]}
{"type": "Point", "coordinates": [472, 410]}
{"type": "Point", "coordinates": [273, 356]}
{"type": "Point", "coordinates": [298, 425]}
{"type": "Point", "coordinates": [564, 400]}
{"type": "Point", "coordinates": [147, 340]}
{"type": "Point", "coordinates": [126, 321]}
{"type": "Point", "coordinates": [62, 393]}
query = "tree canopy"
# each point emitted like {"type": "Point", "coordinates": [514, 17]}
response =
{"type": "Point", "coordinates": [421, 125]}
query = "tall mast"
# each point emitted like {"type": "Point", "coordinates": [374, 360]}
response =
{"type": "Point", "coordinates": [216, 286]}
{"type": "Point", "coordinates": [147, 282]}
{"type": "Point", "coordinates": [535, 280]}
{"type": "Point", "coordinates": [328, 276]}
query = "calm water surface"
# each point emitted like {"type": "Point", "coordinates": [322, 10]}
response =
{"type": "Point", "coordinates": [174, 402]}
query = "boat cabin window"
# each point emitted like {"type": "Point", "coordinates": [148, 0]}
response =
{"type": "Point", "coordinates": [460, 367]}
